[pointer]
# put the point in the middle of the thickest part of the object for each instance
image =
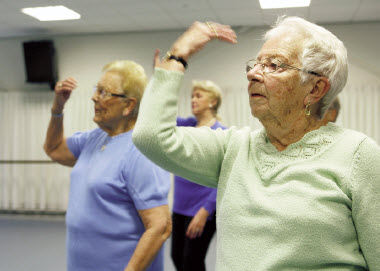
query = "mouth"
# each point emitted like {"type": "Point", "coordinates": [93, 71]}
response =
{"type": "Point", "coordinates": [257, 95]}
{"type": "Point", "coordinates": [253, 91]}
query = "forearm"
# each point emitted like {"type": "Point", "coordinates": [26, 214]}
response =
{"type": "Point", "coordinates": [195, 154]}
{"type": "Point", "coordinates": [55, 133]}
{"type": "Point", "coordinates": [147, 248]}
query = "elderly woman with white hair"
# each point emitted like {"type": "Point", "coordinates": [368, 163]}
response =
{"type": "Point", "coordinates": [194, 205]}
{"type": "Point", "coordinates": [294, 195]}
{"type": "Point", "coordinates": [118, 215]}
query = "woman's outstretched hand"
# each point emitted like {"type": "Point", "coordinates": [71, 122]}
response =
{"type": "Point", "coordinates": [193, 40]}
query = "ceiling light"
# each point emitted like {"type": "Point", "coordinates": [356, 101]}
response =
{"type": "Point", "coordinates": [55, 13]}
{"type": "Point", "coordinates": [267, 4]}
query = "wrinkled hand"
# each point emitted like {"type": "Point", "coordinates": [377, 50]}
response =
{"type": "Point", "coordinates": [197, 224]}
{"type": "Point", "coordinates": [63, 91]}
{"type": "Point", "coordinates": [196, 37]}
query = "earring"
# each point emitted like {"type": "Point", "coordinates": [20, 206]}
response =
{"type": "Point", "coordinates": [307, 109]}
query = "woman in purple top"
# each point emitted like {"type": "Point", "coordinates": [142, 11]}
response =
{"type": "Point", "coordinates": [194, 205]}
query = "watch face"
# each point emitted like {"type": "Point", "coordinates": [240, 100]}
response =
{"type": "Point", "coordinates": [168, 55]}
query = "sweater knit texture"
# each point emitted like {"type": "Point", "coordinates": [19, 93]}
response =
{"type": "Point", "coordinates": [313, 206]}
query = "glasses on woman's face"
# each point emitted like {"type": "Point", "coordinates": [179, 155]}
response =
{"type": "Point", "coordinates": [102, 93]}
{"type": "Point", "coordinates": [271, 65]}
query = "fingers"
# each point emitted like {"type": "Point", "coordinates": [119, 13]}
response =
{"type": "Point", "coordinates": [194, 231]}
{"type": "Point", "coordinates": [191, 233]}
{"type": "Point", "coordinates": [199, 232]}
{"type": "Point", "coordinates": [221, 32]}
{"type": "Point", "coordinates": [156, 58]}
{"type": "Point", "coordinates": [198, 35]}
{"type": "Point", "coordinates": [71, 80]}
{"type": "Point", "coordinates": [69, 83]}
{"type": "Point", "coordinates": [66, 85]}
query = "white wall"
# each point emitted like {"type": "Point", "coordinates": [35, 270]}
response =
{"type": "Point", "coordinates": [24, 108]}
{"type": "Point", "coordinates": [83, 56]}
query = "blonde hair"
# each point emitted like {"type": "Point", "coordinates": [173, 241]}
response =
{"type": "Point", "coordinates": [214, 93]}
{"type": "Point", "coordinates": [134, 79]}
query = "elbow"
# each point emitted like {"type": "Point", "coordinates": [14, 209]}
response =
{"type": "Point", "coordinates": [51, 152]}
{"type": "Point", "coordinates": [166, 232]}
{"type": "Point", "coordinates": [141, 138]}
{"type": "Point", "coordinates": [148, 136]}
{"type": "Point", "coordinates": [163, 229]}
{"type": "Point", "coordinates": [168, 229]}
{"type": "Point", "coordinates": [48, 150]}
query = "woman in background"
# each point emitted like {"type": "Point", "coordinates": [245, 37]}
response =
{"type": "Point", "coordinates": [194, 205]}
{"type": "Point", "coordinates": [332, 112]}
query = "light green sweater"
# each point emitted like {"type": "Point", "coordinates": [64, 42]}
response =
{"type": "Point", "coordinates": [313, 206]}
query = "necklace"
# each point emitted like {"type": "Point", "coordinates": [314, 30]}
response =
{"type": "Point", "coordinates": [211, 121]}
{"type": "Point", "coordinates": [105, 143]}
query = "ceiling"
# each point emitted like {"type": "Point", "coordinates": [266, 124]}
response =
{"type": "Point", "coordinates": [99, 16]}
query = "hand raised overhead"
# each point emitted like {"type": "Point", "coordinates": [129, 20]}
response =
{"type": "Point", "coordinates": [63, 91]}
{"type": "Point", "coordinates": [195, 38]}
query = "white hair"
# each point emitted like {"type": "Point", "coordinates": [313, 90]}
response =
{"type": "Point", "coordinates": [322, 53]}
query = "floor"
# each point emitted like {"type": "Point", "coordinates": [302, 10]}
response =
{"type": "Point", "coordinates": [37, 243]}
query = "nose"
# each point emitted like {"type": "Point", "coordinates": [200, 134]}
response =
{"type": "Point", "coordinates": [95, 96]}
{"type": "Point", "coordinates": [255, 74]}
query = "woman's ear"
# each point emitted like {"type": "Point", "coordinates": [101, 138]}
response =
{"type": "Point", "coordinates": [213, 103]}
{"type": "Point", "coordinates": [131, 103]}
{"type": "Point", "coordinates": [320, 88]}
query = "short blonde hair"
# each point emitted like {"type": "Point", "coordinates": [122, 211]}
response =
{"type": "Point", "coordinates": [134, 79]}
{"type": "Point", "coordinates": [212, 89]}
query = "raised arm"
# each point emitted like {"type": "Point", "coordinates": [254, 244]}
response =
{"type": "Point", "coordinates": [55, 143]}
{"type": "Point", "coordinates": [193, 153]}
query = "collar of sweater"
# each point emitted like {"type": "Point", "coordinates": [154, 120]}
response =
{"type": "Point", "coordinates": [269, 160]}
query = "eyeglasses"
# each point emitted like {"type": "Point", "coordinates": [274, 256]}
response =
{"type": "Point", "coordinates": [269, 65]}
{"type": "Point", "coordinates": [103, 93]}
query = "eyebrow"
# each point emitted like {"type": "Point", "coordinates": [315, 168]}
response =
{"type": "Point", "coordinates": [274, 56]}
{"type": "Point", "coordinates": [99, 86]}
{"type": "Point", "coordinates": [278, 57]}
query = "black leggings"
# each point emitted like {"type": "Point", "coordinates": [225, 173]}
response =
{"type": "Point", "coordinates": [189, 254]}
